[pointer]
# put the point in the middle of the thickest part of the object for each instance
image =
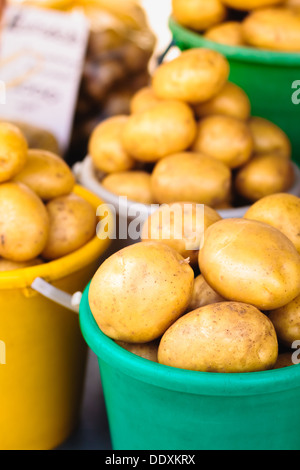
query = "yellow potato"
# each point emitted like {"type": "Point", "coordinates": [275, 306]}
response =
{"type": "Point", "coordinates": [282, 211]}
{"type": "Point", "coordinates": [13, 151]}
{"type": "Point", "coordinates": [250, 4]}
{"type": "Point", "coordinates": [225, 138]}
{"type": "Point", "coordinates": [139, 291]}
{"type": "Point", "coordinates": [8, 265]}
{"type": "Point", "coordinates": [226, 337]}
{"type": "Point", "coordinates": [268, 137]}
{"type": "Point", "coordinates": [38, 138]}
{"type": "Point", "coordinates": [249, 261]}
{"type": "Point", "coordinates": [293, 4]}
{"type": "Point", "coordinates": [198, 14]}
{"type": "Point", "coordinates": [191, 177]}
{"type": "Point", "coordinates": [276, 29]}
{"type": "Point", "coordinates": [286, 321]}
{"type": "Point", "coordinates": [105, 146]}
{"type": "Point", "coordinates": [284, 360]}
{"type": "Point", "coordinates": [203, 294]}
{"type": "Point", "coordinates": [229, 33]}
{"type": "Point", "coordinates": [47, 174]}
{"type": "Point", "coordinates": [264, 175]}
{"type": "Point", "coordinates": [143, 99]}
{"type": "Point", "coordinates": [180, 225]}
{"type": "Point", "coordinates": [230, 101]}
{"type": "Point", "coordinates": [145, 350]}
{"type": "Point", "coordinates": [135, 185]}
{"type": "Point", "coordinates": [24, 223]}
{"type": "Point", "coordinates": [72, 224]}
{"type": "Point", "coordinates": [165, 128]}
{"type": "Point", "coordinates": [196, 75]}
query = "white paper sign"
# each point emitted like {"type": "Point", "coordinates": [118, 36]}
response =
{"type": "Point", "coordinates": [41, 58]}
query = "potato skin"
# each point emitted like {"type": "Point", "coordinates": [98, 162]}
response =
{"type": "Point", "coordinates": [264, 175]}
{"type": "Point", "coordinates": [143, 99]}
{"type": "Point", "coordinates": [47, 174]}
{"type": "Point", "coordinates": [180, 225]}
{"type": "Point", "coordinates": [230, 101]}
{"type": "Point", "coordinates": [284, 360]}
{"type": "Point", "coordinates": [105, 146]}
{"type": "Point", "coordinates": [144, 350]}
{"type": "Point", "coordinates": [8, 265]}
{"type": "Point", "coordinates": [252, 262]}
{"type": "Point", "coordinates": [276, 29]}
{"type": "Point", "coordinates": [229, 33]}
{"type": "Point", "coordinates": [282, 211]}
{"type": "Point", "coordinates": [135, 185]}
{"type": "Point", "coordinates": [226, 337]}
{"type": "Point", "coordinates": [268, 137]}
{"type": "Point", "coordinates": [250, 4]}
{"type": "Point", "coordinates": [165, 128]}
{"type": "Point", "coordinates": [225, 138]}
{"type": "Point", "coordinates": [191, 177]}
{"type": "Point", "coordinates": [286, 321]}
{"type": "Point", "coordinates": [13, 151]}
{"type": "Point", "coordinates": [203, 294]}
{"type": "Point", "coordinates": [72, 224]}
{"type": "Point", "coordinates": [198, 14]}
{"type": "Point", "coordinates": [139, 291]}
{"type": "Point", "coordinates": [24, 225]}
{"type": "Point", "coordinates": [195, 76]}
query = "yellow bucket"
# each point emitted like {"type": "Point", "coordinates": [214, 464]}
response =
{"type": "Point", "coordinates": [42, 352]}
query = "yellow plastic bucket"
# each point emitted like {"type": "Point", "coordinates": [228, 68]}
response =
{"type": "Point", "coordinates": [42, 352]}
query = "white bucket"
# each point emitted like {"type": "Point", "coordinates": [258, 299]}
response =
{"type": "Point", "coordinates": [86, 176]}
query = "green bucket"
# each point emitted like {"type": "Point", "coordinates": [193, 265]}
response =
{"type": "Point", "coordinates": [267, 77]}
{"type": "Point", "coordinates": [156, 407]}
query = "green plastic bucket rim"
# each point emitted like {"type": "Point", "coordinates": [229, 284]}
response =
{"type": "Point", "coordinates": [191, 39]}
{"type": "Point", "coordinates": [180, 380]}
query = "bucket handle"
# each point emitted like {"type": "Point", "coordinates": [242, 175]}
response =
{"type": "Point", "coordinates": [58, 296]}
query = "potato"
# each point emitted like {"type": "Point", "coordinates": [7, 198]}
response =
{"type": "Point", "coordinates": [72, 225]}
{"type": "Point", "coordinates": [47, 174]}
{"type": "Point", "coordinates": [203, 294]}
{"type": "Point", "coordinates": [135, 185]}
{"type": "Point", "coordinates": [227, 337]}
{"type": "Point", "coordinates": [144, 350]}
{"type": "Point", "coordinates": [24, 223]}
{"type": "Point", "coordinates": [196, 75]}
{"type": "Point", "coordinates": [293, 4]}
{"type": "Point", "coordinates": [230, 101]}
{"type": "Point", "coordinates": [268, 137]}
{"type": "Point", "coordinates": [165, 128]}
{"type": "Point", "coordinates": [229, 33]}
{"type": "Point", "coordinates": [198, 14]}
{"type": "Point", "coordinates": [276, 29]}
{"type": "Point", "coordinates": [250, 4]}
{"type": "Point", "coordinates": [282, 211]}
{"type": "Point", "coordinates": [191, 177]}
{"type": "Point", "coordinates": [286, 321]}
{"type": "Point", "coordinates": [264, 175]}
{"type": "Point", "coordinates": [284, 360]}
{"type": "Point", "coordinates": [139, 291]}
{"type": "Point", "coordinates": [13, 151]}
{"type": "Point", "coordinates": [38, 138]}
{"type": "Point", "coordinates": [143, 99]}
{"type": "Point", "coordinates": [225, 138]}
{"type": "Point", "coordinates": [8, 265]}
{"type": "Point", "coordinates": [180, 225]}
{"type": "Point", "coordinates": [105, 146]}
{"type": "Point", "coordinates": [249, 261]}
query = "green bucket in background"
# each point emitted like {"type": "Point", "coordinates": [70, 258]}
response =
{"type": "Point", "coordinates": [267, 77]}
{"type": "Point", "coordinates": [156, 407]}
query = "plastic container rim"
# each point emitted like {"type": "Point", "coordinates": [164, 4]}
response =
{"type": "Point", "coordinates": [193, 39]}
{"type": "Point", "coordinates": [180, 380]}
{"type": "Point", "coordinates": [62, 267]}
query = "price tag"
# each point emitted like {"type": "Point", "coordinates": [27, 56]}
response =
{"type": "Point", "coordinates": [41, 59]}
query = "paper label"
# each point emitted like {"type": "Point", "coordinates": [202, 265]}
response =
{"type": "Point", "coordinates": [41, 58]}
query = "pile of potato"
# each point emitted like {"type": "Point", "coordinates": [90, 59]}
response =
{"type": "Point", "coordinates": [190, 137]}
{"type": "Point", "coordinates": [224, 299]}
{"type": "Point", "coordinates": [41, 218]}
{"type": "Point", "coordinates": [262, 24]}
